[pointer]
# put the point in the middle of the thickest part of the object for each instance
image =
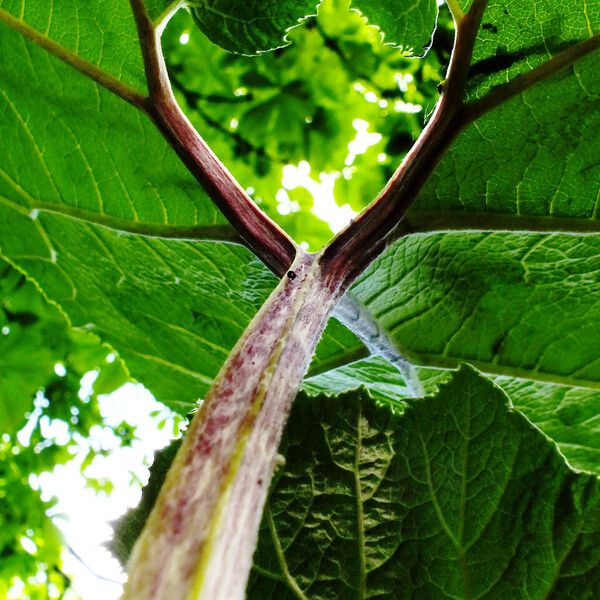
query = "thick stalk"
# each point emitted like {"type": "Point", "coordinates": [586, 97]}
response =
{"type": "Point", "coordinates": [199, 540]}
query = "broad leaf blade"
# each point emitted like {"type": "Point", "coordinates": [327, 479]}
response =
{"type": "Point", "coordinates": [513, 304]}
{"type": "Point", "coordinates": [171, 308]}
{"type": "Point", "coordinates": [416, 505]}
{"type": "Point", "coordinates": [549, 179]}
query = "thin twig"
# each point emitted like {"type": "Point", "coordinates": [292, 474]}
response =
{"type": "Point", "coordinates": [503, 93]}
{"type": "Point", "coordinates": [95, 73]}
{"type": "Point", "coordinates": [264, 237]}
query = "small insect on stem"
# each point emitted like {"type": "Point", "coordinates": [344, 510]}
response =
{"type": "Point", "coordinates": [291, 275]}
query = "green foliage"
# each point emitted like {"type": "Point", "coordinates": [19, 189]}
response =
{"type": "Point", "coordinates": [441, 501]}
{"type": "Point", "coordinates": [513, 304]}
{"type": "Point", "coordinates": [35, 394]}
{"type": "Point", "coordinates": [444, 500]}
{"type": "Point", "coordinates": [414, 502]}
{"type": "Point", "coordinates": [382, 495]}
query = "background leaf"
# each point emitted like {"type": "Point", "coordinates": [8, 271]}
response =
{"type": "Point", "coordinates": [251, 27]}
{"type": "Point", "coordinates": [517, 36]}
{"type": "Point", "coordinates": [416, 505]}
{"type": "Point", "coordinates": [402, 23]}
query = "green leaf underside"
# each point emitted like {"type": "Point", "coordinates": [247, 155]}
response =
{"type": "Point", "coordinates": [162, 304]}
{"type": "Point", "coordinates": [70, 144]}
{"type": "Point", "coordinates": [382, 380]}
{"type": "Point", "coordinates": [570, 416]}
{"type": "Point", "coordinates": [405, 23]}
{"type": "Point", "coordinates": [252, 26]}
{"type": "Point", "coordinates": [553, 171]}
{"type": "Point", "coordinates": [172, 309]}
{"type": "Point", "coordinates": [257, 26]}
{"type": "Point", "coordinates": [567, 415]}
{"type": "Point", "coordinates": [525, 305]}
{"type": "Point", "coordinates": [101, 32]}
{"type": "Point", "coordinates": [517, 36]}
{"type": "Point", "coordinates": [165, 291]}
{"type": "Point", "coordinates": [459, 497]}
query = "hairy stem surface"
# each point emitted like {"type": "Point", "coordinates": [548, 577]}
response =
{"type": "Point", "coordinates": [199, 540]}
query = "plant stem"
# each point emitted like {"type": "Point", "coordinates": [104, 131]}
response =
{"type": "Point", "coordinates": [359, 319]}
{"type": "Point", "coordinates": [199, 540]}
{"type": "Point", "coordinates": [455, 10]}
{"type": "Point", "coordinates": [95, 73]}
{"type": "Point", "coordinates": [503, 93]}
{"type": "Point", "coordinates": [357, 245]}
{"type": "Point", "coordinates": [264, 237]}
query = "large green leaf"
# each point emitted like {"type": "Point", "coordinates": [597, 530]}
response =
{"type": "Point", "coordinates": [513, 304]}
{"type": "Point", "coordinates": [517, 36]}
{"type": "Point", "coordinates": [488, 181]}
{"type": "Point", "coordinates": [173, 309]}
{"type": "Point", "coordinates": [459, 497]}
{"type": "Point", "coordinates": [570, 416]}
{"type": "Point", "coordinates": [170, 308]}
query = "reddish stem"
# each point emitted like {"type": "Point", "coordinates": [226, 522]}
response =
{"type": "Point", "coordinates": [199, 540]}
{"type": "Point", "coordinates": [351, 251]}
{"type": "Point", "coordinates": [263, 236]}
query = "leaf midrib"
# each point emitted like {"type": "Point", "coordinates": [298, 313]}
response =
{"type": "Point", "coordinates": [360, 520]}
